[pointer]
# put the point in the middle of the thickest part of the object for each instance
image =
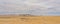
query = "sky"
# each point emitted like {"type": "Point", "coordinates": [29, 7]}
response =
{"type": "Point", "coordinates": [34, 7]}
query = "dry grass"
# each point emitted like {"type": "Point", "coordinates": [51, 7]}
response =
{"type": "Point", "coordinates": [29, 19]}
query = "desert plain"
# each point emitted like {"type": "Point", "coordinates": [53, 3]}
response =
{"type": "Point", "coordinates": [29, 19]}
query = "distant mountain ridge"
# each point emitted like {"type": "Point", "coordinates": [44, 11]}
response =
{"type": "Point", "coordinates": [17, 15]}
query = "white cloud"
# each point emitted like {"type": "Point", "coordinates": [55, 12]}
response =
{"type": "Point", "coordinates": [36, 7]}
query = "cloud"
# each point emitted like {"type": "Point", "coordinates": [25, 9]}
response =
{"type": "Point", "coordinates": [31, 7]}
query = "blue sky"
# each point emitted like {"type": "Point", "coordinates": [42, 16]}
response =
{"type": "Point", "coordinates": [35, 7]}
